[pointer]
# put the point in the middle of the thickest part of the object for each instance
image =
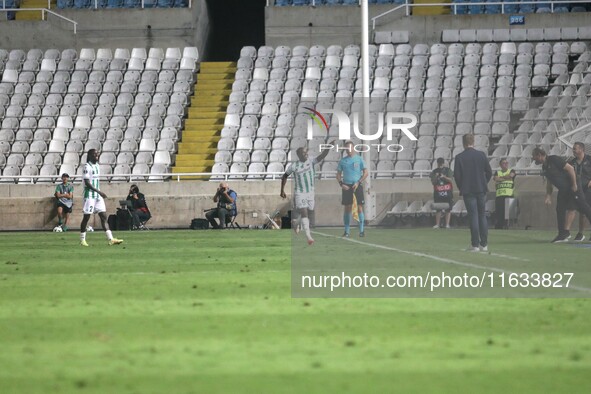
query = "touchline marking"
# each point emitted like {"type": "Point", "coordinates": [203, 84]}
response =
{"type": "Point", "coordinates": [505, 256]}
{"type": "Point", "coordinates": [436, 258]}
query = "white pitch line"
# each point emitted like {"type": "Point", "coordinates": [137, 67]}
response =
{"type": "Point", "coordinates": [505, 256]}
{"type": "Point", "coordinates": [436, 258]}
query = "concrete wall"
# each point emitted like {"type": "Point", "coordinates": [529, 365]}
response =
{"type": "Point", "coordinates": [174, 204]}
{"type": "Point", "coordinates": [112, 28]}
{"type": "Point", "coordinates": [342, 25]}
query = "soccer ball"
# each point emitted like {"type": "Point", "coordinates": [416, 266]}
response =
{"type": "Point", "coordinates": [57, 229]}
{"type": "Point", "coordinates": [89, 229]}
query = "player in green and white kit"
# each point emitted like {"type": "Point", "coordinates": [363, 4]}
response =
{"type": "Point", "coordinates": [304, 177]}
{"type": "Point", "coordinates": [94, 199]}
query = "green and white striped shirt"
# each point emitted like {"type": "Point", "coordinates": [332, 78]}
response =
{"type": "Point", "coordinates": [304, 175]}
{"type": "Point", "coordinates": [92, 173]}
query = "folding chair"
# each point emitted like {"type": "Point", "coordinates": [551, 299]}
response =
{"type": "Point", "coordinates": [230, 220]}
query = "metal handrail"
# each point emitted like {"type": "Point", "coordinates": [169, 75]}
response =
{"type": "Point", "coordinates": [454, 6]}
{"type": "Point", "coordinates": [407, 6]}
{"type": "Point", "coordinates": [311, 5]}
{"type": "Point", "coordinates": [222, 175]}
{"type": "Point", "coordinates": [43, 11]}
{"type": "Point", "coordinates": [189, 5]}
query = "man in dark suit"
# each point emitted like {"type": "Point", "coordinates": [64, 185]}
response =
{"type": "Point", "coordinates": [472, 173]}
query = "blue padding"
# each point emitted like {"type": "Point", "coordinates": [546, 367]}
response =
{"type": "Point", "coordinates": [475, 9]}
{"type": "Point", "coordinates": [82, 3]}
{"type": "Point", "coordinates": [65, 3]}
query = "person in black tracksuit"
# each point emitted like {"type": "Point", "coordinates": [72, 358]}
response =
{"type": "Point", "coordinates": [561, 175]}
{"type": "Point", "coordinates": [582, 165]}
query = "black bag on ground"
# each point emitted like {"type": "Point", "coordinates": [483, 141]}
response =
{"type": "Point", "coordinates": [199, 224]}
{"type": "Point", "coordinates": [112, 221]}
{"type": "Point", "coordinates": [124, 220]}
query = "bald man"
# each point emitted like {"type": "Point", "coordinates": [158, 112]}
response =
{"type": "Point", "coordinates": [226, 200]}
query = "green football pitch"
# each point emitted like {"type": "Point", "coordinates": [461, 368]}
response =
{"type": "Point", "coordinates": [212, 312]}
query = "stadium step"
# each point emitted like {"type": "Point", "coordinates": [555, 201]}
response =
{"type": "Point", "coordinates": [215, 85]}
{"type": "Point", "coordinates": [206, 121]}
{"type": "Point", "coordinates": [201, 163]}
{"type": "Point", "coordinates": [177, 170]}
{"type": "Point", "coordinates": [215, 77]}
{"type": "Point", "coordinates": [190, 159]}
{"type": "Point", "coordinates": [205, 113]}
{"type": "Point", "coordinates": [32, 15]}
{"type": "Point", "coordinates": [208, 101]}
{"type": "Point", "coordinates": [208, 130]}
{"type": "Point", "coordinates": [196, 137]}
{"type": "Point", "coordinates": [191, 148]}
{"type": "Point", "coordinates": [219, 105]}
{"type": "Point", "coordinates": [219, 68]}
{"type": "Point", "coordinates": [205, 118]}
{"type": "Point", "coordinates": [207, 142]}
{"type": "Point", "coordinates": [201, 131]}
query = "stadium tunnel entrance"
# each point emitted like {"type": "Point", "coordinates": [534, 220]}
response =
{"type": "Point", "coordinates": [234, 24]}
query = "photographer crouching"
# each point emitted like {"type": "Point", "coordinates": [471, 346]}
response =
{"type": "Point", "coordinates": [226, 209]}
{"type": "Point", "coordinates": [139, 209]}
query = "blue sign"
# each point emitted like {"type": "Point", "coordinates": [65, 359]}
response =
{"type": "Point", "coordinates": [517, 20]}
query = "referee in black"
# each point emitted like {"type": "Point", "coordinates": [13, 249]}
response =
{"type": "Point", "coordinates": [561, 175]}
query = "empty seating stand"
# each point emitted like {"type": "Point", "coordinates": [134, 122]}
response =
{"type": "Point", "coordinates": [283, 3]}
{"type": "Point", "coordinates": [56, 105]}
{"type": "Point", "coordinates": [111, 4]}
{"type": "Point", "coordinates": [516, 34]}
{"type": "Point", "coordinates": [473, 7]}
{"type": "Point", "coordinates": [485, 88]}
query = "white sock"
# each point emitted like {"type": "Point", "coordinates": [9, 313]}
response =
{"type": "Point", "coordinates": [306, 227]}
{"type": "Point", "coordinates": [83, 236]}
{"type": "Point", "coordinates": [109, 234]}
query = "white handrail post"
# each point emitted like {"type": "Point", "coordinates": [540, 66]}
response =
{"type": "Point", "coordinates": [95, 4]}
{"type": "Point", "coordinates": [552, 7]}
{"type": "Point", "coordinates": [42, 15]}
{"type": "Point", "coordinates": [370, 196]}
{"type": "Point", "coordinates": [503, 7]}
{"type": "Point", "coordinates": [142, 4]}
{"type": "Point", "coordinates": [190, 3]}
{"type": "Point", "coordinates": [407, 8]}
{"type": "Point", "coordinates": [48, 4]}
{"type": "Point", "coordinates": [313, 3]}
